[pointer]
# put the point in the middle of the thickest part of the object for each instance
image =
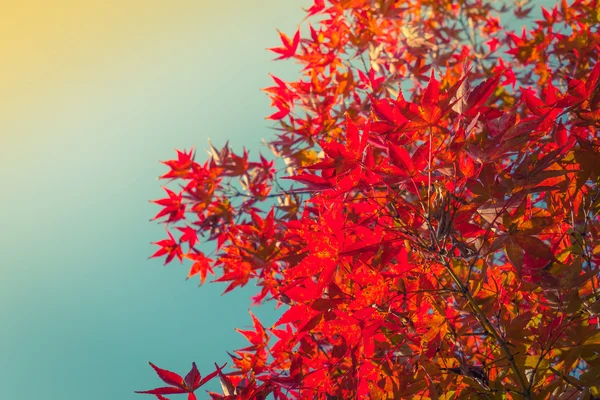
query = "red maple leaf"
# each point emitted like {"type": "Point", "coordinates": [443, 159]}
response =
{"type": "Point", "coordinates": [289, 46]}
{"type": "Point", "coordinates": [190, 235]}
{"type": "Point", "coordinates": [173, 206]}
{"type": "Point", "coordinates": [170, 247]}
{"type": "Point", "coordinates": [200, 267]}
{"type": "Point", "coordinates": [179, 385]}
{"type": "Point", "coordinates": [181, 166]}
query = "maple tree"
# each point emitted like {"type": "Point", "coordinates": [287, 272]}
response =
{"type": "Point", "coordinates": [438, 242]}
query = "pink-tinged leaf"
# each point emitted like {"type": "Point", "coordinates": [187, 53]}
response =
{"type": "Point", "coordinates": [400, 158]}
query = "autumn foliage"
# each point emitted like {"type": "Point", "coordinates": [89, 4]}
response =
{"type": "Point", "coordinates": [434, 230]}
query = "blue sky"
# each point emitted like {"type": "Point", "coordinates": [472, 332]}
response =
{"type": "Point", "coordinates": [82, 310]}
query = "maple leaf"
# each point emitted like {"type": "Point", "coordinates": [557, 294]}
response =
{"type": "Point", "coordinates": [317, 7]}
{"type": "Point", "coordinates": [369, 79]}
{"type": "Point", "coordinates": [289, 46]}
{"type": "Point", "coordinates": [170, 247]}
{"type": "Point", "coordinates": [481, 93]}
{"type": "Point", "coordinates": [173, 206]}
{"type": "Point", "coordinates": [258, 337]}
{"type": "Point", "coordinates": [190, 235]}
{"type": "Point", "coordinates": [283, 110]}
{"type": "Point", "coordinates": [181, 166]}
{"type": "Point", "coordinates": [179, 385]}
{"type": "Point", "coordinates": [201, 266]}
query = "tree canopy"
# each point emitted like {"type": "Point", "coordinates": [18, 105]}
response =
{"type": "Point", "coordinates": [433, 231]}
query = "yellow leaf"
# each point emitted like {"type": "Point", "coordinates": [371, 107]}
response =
{"type": "Point", "coordinates": [306, 157]}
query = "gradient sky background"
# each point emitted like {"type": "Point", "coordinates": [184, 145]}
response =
{"type": "Point", "coordinates": [93, 94]}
